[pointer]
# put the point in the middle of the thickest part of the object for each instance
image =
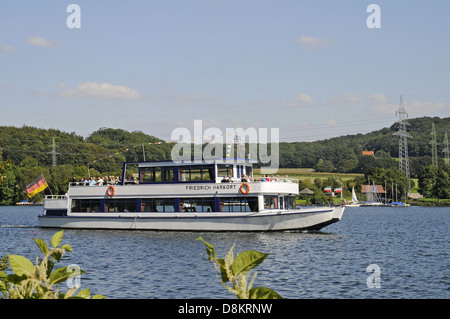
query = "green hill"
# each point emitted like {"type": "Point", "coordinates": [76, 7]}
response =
{"type": "Point", "coordinates": [344, 154]}
{"type": "Point", "coordinates": [26, 152]}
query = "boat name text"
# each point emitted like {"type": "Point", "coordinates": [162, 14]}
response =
{"type": "Point", "coordinates": [210, 187]}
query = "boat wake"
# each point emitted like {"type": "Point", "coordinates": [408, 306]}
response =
{"type": "Point", "coordinates": [18, 226]}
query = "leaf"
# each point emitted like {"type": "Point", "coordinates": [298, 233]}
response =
{"type": "Point", "coordinates": [99, 297]}
{"type": "Point", "coordinates": [209, 249]}
{"type": "Point", "coordinates": [50, 265]}
{"type": "Point", "coordinates": [223, 272]}
{"type": "Point", "coordinates": [63, 273]}
{"type": "Point", "coordinates": [57, 238]}
{"type": "Point", "coordinates": [57, 255]}
{"type": "Point", "coordinates": [263, 293]}
{"type": "Point", "coordinates": [42, 245]}
{"type": "Point", "coordinates": [2, 287]}
{"type": "Point", "coordinates": [14, 279]}
{"type": "Point", "coordinates": [67, 247]}
{"type": "Point", "coordinates": [85, 294]}
{"type": "Point", "coordinates": [246, 261]}
{"type": "Point", "coordinates": [21, 265]}
{"type": "Point", "coordinates": [59, 275]}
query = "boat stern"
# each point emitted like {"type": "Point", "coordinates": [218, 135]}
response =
{"type": "Point", "coordinates": [56, 205]}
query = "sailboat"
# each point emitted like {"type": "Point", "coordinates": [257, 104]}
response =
{"type": "Point", "coordinates": [354, 202]}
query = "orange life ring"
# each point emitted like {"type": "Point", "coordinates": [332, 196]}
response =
{"type": "Point", "coordinates": [243, 190]}
{"type": "Point", "coordinates": [111, 191]}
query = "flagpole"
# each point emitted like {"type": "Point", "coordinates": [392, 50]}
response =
{"type": "Point", "coordinates": [47, 184]}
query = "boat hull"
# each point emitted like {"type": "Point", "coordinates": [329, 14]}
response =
{"type": "Point", "coordinates": [299, 219]}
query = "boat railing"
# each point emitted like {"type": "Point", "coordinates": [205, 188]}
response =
{"type": "Point", "coordinates": [258, 180]}
{"type": "Point", "coordinates": [56, 197]}
{"type": "Point", "coordinates": [280, 180]}
{"type": "Point", "coordinates": [233, 180]}
{"type": "Point", "coordinates": [107, 183]}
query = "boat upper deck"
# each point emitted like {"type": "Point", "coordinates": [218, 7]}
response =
{"type": "Point", "coordinates": [169, 172]}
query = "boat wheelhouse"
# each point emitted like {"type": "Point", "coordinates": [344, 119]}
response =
{"type": "Point", "coordinates": [216, 195]}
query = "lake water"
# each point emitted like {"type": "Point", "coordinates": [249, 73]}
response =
{"type": "Point", "coordinates": [409, 245]}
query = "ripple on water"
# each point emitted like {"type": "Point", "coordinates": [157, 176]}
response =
{"type": "Point", "coordinates": [410, 245]}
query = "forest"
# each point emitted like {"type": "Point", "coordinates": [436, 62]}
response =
{"type": "Point", "coordinates": [26, 152]}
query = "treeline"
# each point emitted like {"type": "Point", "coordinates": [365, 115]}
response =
{"type": "Point", "coordinates": [344, 154]}
{"type": "Point", "coordinates": [26, 152]}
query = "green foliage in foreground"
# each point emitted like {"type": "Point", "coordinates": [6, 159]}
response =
{"type": "Point", "coordinates": [235, 272]}
{"type": "Point", "coordinates": [39, 280]}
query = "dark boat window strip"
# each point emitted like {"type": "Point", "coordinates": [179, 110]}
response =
{"type": "Point", "coordinates": [149, 205]}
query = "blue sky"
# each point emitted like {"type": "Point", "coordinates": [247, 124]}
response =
{"type": "Point", "coordinates": [313, 69]}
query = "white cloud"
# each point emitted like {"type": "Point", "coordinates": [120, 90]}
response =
{"type": "Point", "coordinates": [345, 99]}
{"type": "Point", "coordinates": [188, 97]}
{"type": "Point", "coordinates": [301, 99]}
{"type": "Point", "coordinates": [41, 42]}
{"type": "Point", "coordinates": [303, 125]}
{"type": "Point", "coordinates": [313, 43]}
{"type": "Point", "coordinates": [7, 48]}
{"type": "Point", "coordinates": [332, 123]}
{"type": "Point", "coordinates": [425, 108]}
{"type": "Point", "coordinates": [102, 91]}
{"type": "Point", "coordinates": [377, 98]}
{"type": "Point", "coordinates": [380, 104]}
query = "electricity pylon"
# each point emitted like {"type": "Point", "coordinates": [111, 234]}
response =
{"type": "Point", "coordinates": [446, 150]}
{"type": "Point", "coordinates": [434, 155]}
{"type": "Point", "coordinates": [403, 161]}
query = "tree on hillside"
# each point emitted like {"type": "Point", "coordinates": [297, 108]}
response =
{"type": "Point", "coordinates": [7, 184]}
{"type": "Point", "coordinates": [427, 180]}
{"type": "Point", "coordinates": [435, 183]}
{"type": "Point", "coordinates": [442, 185]}
{"type": "Point", "coordinates": [324, 166]}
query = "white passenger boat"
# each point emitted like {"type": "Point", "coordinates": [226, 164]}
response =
{"type": "Point", "coordinates": [208, 196]}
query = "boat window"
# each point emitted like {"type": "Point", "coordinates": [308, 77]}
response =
{"type": "Point", "coordinates": [157, 205]}
{"type": "Point", "coordinates": [120, 205]}
{"type": "Point", "coordinates": [239, 204]}
{"type": "Point", "coordinates": [156, 174]}
{"type": "Point", "coordinates": [281, 202]}
{"type": "Point", "coordinates": [196, 173]}
{"type": "Point", "coordinates": [270, 202]}
{"type": "Point", "coordinates": [147, 175]}
{"type": "Point", "coordinates": [249, 171]}
{"type": "Point", "coordinates": [86, 205]}
{"type": "Point", "coordinates": [196, 204]}
{"type": "Point", "coordinates": [167, 174]}
{"type": "Point", "coordinates": [240, 170]}
{"type": "Point", "coordinates": [224, 170]}
{"type": "Point", "coordinates": [292, 202]}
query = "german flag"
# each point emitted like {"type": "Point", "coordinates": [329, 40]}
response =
{"type": "Point", "coordinates": [37, 186]}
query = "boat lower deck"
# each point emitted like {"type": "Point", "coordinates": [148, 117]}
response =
{"type": "Point", "coordinates": [270, 220]}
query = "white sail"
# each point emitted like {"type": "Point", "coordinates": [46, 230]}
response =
{"type": "Point", "coordinates": [354, 199]}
